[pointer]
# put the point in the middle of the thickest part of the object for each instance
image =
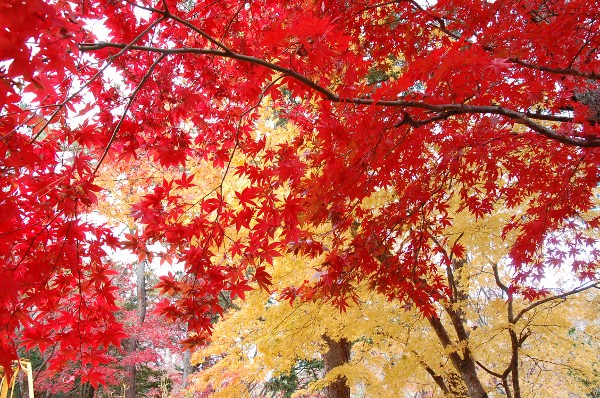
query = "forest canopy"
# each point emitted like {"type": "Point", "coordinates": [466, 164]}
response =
{"type": "Point", "coordinates": [361, 138]}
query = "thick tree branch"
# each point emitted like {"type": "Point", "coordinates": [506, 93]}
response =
{"type": "Point", "coordinates": [495, 374]}
{"type": "Point", "coordinates": [516, 340]}
{"type": "Point", "coordinates": [454, 296]}
{"type": "Point", "coordinates": [502, 376]}
{"type": "Point", "coordinates": [439, 380]}
{"type": "Point", "coordinates": [513, 367]}
{"type": "Point", "coordinates": [85, 47]}
{"type": "Point", "coordinates": [550, 118]}
{"type": "Point", "coordinates": [514, 363]}
{"type": "Point", "coordinates": [444, 338]}
{"type": "Point", "coordinates": [506, 387]}
{"type": "Point", "coordinates": [526, 119]}
{"type": "Point", "coordinates": [465, 364]}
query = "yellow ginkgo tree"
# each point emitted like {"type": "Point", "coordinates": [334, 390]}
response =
{"type": "Point", "coordinates": [513, 341]}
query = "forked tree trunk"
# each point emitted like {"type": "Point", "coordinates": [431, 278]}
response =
{"type": "Point", "coordinates": [338, 354]}
{"type": "Point", "coordinates": [465, 364]}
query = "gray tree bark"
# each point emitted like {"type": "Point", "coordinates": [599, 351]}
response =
{"type": "Point", "coordinates": [130, 344]}
{"type": "Point", "coordinates": [187, 356]}
{"type": "Point", "coordinates": [23, 385]}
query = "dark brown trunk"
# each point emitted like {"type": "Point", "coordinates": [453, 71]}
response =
{"type": "Point", "coordinates": [515, 362]}
{"type": "Point", "coordinates": [456, 387]}
{"type": "Point", "coordinates": [465, 365]}
{"type": "Point", "coordinates": [338, 354]}
{"type": "Point", "coordinates": [513, 368]}
{"type": "Point", "coordinates": [450, 383]}
{"type": "Point", "coordinates": [87, 391]}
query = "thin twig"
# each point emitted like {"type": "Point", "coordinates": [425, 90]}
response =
{"type": "Point", "coordinates": [556, 297]}
{"type": "Point", "coordinates": [96, 75]}
{"type": "Point", "coordinates": [131, 98]}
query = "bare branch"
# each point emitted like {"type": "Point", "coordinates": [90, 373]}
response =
{"type": "Point", "coordinates": [498, 375]}
{"type": "Point", "coordinates": [501, 285]}
{"type": "Point", "coordinates": [560, 71]}
{"type": "Point", "coordinates": [131, 98]}
{"type": "Point", "coordinates": [556, 297]}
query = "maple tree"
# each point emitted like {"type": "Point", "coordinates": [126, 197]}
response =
{"type": "Point", "coordinates": [495, 103]}
{"type": "Point", "coordinates": [142, 364]}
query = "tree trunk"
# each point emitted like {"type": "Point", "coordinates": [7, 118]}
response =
{"type": "Point", "coordinates": [142, 302]}
{"type": "Point", "coordinates": [456, 387]}
{"type": "Point", "coordinates": [87, 391]}
{"type": "Point", "coordinates": [187, 356]}
{"type": "Point", "coordinates": [338, 354]}
{"type": "Point", "coordinates": [464, 365]}
{"type": "Point", "coordinates": [130, 344]}
{"type": "Point", "coordinates": [450, 383]}
{"type": "Point", "coordinates": [23, 385]}
{"type": "Point", "coordinates": [515, 361]}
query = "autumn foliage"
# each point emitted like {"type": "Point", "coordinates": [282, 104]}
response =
{"type": "Point", "coordinates": [493, 104]}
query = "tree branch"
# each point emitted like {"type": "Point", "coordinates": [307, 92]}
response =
{"type": "Point", "coordinates": [439, 380]}
{"type": "Point", "coordinates": [501, 285]}
{"type": "Point", "coordinates": [131, 98]}
{"type": "Point", "coordinates": [166, 13]}
{"type": "Point", "coordinates": [560, 71]}
{"type": "Point", "coordinates": [556, 297]}
{"type": "Point", "coordinates": [513, 367]}
{"type": "Point", "coordinates": [441, 26]}
{"type": "Point", "coordinates": [61, 105]}
{"type": "Point", "coordinates": [525, 119]}
{"type": "Point", "coordinates": [498, 375]}
{"type": "Point", "coordinates": [506, 387]}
